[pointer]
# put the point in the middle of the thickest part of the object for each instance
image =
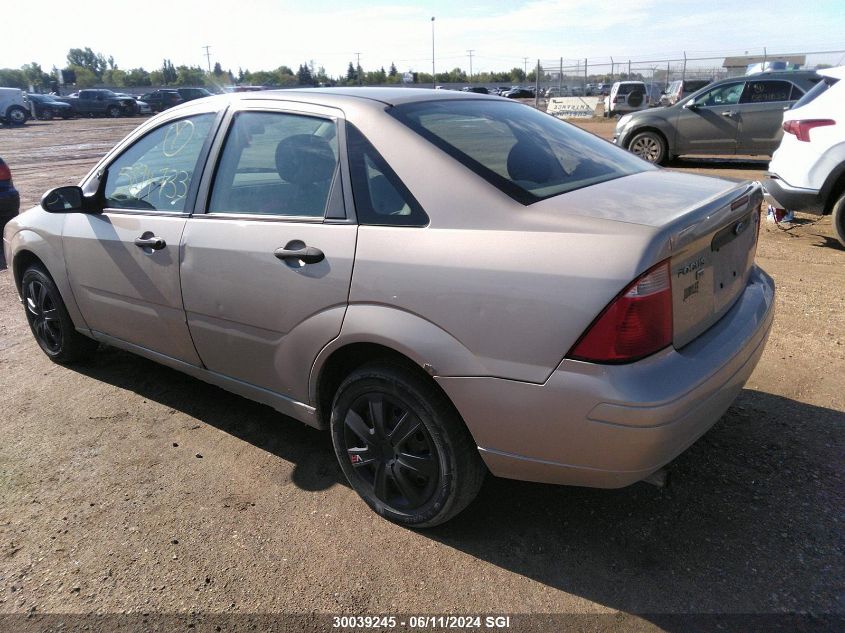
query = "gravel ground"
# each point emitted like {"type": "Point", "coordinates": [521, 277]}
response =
{"type": "Point", "coordinates": [128, 487]}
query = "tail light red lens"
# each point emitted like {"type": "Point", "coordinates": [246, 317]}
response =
{"type": "Point", "coordinates": [801, 129]}
{"type": "Point", "coordinates": [5, 172]}
{"type": "Point", "coordinates": [637, 323]}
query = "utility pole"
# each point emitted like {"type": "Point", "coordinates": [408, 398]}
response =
{"type": "Point", "coordinates": [525, 61]}
{"type": "Point", "coordinates": [470, 51]}
{"type": "Point", "coordinates": [208, 57]}
{"type": "Point", "coordinates": [433, 75]}
{"type": "Point", "coordinates": [358, 68]}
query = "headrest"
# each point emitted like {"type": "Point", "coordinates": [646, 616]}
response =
{"type": "Point", "coordinates": [303, 159]}
{"type": "Point", "coordinates": [532, 162]}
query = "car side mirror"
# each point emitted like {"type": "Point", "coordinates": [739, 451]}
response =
{"type": "Point", "coordinates": [68, 199]}
{"type": "Point", "coordinates": [691, 105]}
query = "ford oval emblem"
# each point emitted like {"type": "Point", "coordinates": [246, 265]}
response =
{"type": "Point", "coordinates": [739, 227]}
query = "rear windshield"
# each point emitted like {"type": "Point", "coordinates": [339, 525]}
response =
{"type": "Point", "coordinates": [625, 89]}
{"type": "Point", "coordinates": [815, 91]}
{"type": "Point", "coordinates": [525, 153]}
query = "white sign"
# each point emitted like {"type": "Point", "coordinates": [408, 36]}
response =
{"type": "Point", "coordinates": [572, 107]}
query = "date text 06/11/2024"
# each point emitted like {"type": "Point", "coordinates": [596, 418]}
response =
{"type": "Point", "coordinates": [421, 621]}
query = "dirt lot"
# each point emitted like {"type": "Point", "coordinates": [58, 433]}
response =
{"type": "Point", "coordinates": [128, 487]}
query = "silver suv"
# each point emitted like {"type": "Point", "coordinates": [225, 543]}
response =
{"type": "Point", "coordinates": [739, 115]}
{"type": "Point", "coordinates": [451, 283]}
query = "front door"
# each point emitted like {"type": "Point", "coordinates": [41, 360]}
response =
{"type": "Point", "coordinates": [267, 268]}
{"type": "Point", "coordinates": [710, 125]}
{"type": "Point", "coordinates": [123, 264]}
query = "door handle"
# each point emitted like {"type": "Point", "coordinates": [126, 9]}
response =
{"type": "Point", "coordinates": [306, 254]}
{"type": "Point", "coordinates": [728, 113]}
{"type": "Point", "coordinates": [148, 240]}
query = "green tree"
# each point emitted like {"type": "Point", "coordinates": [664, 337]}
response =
{"type": "Point", "coordinates": [13, 78]}
{"type": "Point", "coordinates": [35, 76]}
{"type": "Point", "coordinates": [190, 76]}
{"type": "Point", "coordinates": [88, 59]}
{"type": "Point", "coordinates": [517, 74]}
{"type": "Point", "coordinates": [218, 70]}
{"type": "Point", "coordinates": [350, 73]}
{"type": "Point", "coordinates": [114, 77]}
{"type": "Point", "coordinates": [137, 77]}
{"type": "Point", "coordinates": [303, 76]}
{"type": "Point", "coordinates": [168, 73]}
{"type": "Point", "coordinates": [85, 77]}
{"type": "Point", "coordinates": [393, 72]}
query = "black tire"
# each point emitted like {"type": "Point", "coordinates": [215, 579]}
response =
{"type": "Point", "coordinates": [403, 447]}
{"type": "Point", "coordinates": [649, 146]}
{"type": "Point", "coordinates": [16, 115]}
{"type": "Point", "coordinates": [113, 111]}
{"type": "Point", "coordinates": [49, 321]}
{"type": "Point", "coordinates": [838, 213]}
{"type": "Point", "coordinates": [46, 115]}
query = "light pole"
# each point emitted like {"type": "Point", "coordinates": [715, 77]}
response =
{"type": "Point", "coordinates": [433, 76]}
{"type": "Point", "coordinates": [470, 51]}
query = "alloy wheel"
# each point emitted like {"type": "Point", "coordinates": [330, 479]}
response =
{"type": "Point", "coordinates": [647, 148]}
{"type": "Point", "coordinates": [44, 316]}
{"type": "Point", "coordinates": [391, 451]}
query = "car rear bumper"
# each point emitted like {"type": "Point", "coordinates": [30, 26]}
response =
{"type": "Point", "coordinates": [792, 198]}
{"type": "Point", "coordinates": [609, 426]}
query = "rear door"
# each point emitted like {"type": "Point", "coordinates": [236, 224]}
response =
{"type": "Point", "coordinates": [267, 267]}
{"type": "Point", "coordinates": [123, 264]}
{"type": "Point", "coordinates": [761, 109]}
{"type": "Point", "coordinates": [711, 125]}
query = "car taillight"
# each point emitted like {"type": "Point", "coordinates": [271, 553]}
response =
{"type": "Point", "coordinates": [5, 172]}
{"type": "Point", "coordinates": [801, 128]}
{"type": "Point", "coordinates": [637, 323]}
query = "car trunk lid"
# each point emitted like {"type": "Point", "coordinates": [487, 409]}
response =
{"type": "Point", "coordinates": [706, 227]}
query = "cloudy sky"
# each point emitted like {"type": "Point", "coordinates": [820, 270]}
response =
{"type": "Point", "coordinates": [264, 34]}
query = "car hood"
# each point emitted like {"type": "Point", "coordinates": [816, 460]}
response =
{"type": "Point", "coordinates": [656, 198]}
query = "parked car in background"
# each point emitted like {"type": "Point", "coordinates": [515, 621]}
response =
{"type": "Point", "coordinates": [101, 102]}
{"type": "Point", "coordinates": [519, 93]}
{"type": "Point", "coordinates": [46, 107]}
{"type": "Point", "coordinates": [739, 115]}
{"type": "Point", "coordinates": [143, 107]}
{"type": "Point", "coordinates": [189, 94]}
{"type": "Point", "coordinates": [162, 99]}
{"type": "Point", "coordinates": [481, 90]}
{"type": "Point", "coordinates": [619, 341]}
{"type": "Point", "coordinates": [807, 171]}
{"type": "Point", "coordinates": [10, 200]}
{"type": "Point", "coordinates": [14, 106]}
{"type": "Point", "coordinates": [624, 97]}
{"type": "Point", "coordinates": [680, 88]}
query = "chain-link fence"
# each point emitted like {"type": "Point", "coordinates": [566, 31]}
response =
{"type": "Point", "coordinates": [593, 77]}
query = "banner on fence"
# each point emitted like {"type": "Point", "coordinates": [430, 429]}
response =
{"type": "Point", "coordinates": [572, 107]}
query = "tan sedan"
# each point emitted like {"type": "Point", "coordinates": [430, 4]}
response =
{"type": "Point", "coordinates": [453, 284]}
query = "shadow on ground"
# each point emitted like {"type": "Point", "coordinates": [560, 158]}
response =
{"type": "Point", "coordinates": [751, 522]}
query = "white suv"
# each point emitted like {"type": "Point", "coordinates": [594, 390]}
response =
{"type": "Point", "coordinates": [807, 171]}
{"type": "Point", "coordinates": [14, 106]}
{"type": "Point", "coordinates": [626, 96]}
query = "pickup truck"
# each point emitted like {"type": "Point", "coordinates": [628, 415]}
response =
{"type": "Point", "coordinates": [99, 102]}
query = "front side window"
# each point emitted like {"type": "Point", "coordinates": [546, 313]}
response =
{"type": "Point", "coordinates": [727, 94]}
{"type": "Point", "coordinates": [155, 174]}
{"type": "Point", "coordinates": [766, 91]}
{"type": "Point", "coordinates": [528, 155]}
{"type": "Point", "coordinates": [274, 163]}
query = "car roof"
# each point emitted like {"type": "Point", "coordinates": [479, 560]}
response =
{"type": "Point", "coordinates": [836, 73]}
{"type": "Point", "coordinates": [338, 97]}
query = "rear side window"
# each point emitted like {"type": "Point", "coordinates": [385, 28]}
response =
{"type": "Point", "coordinates": [766, 91]}
{"type": "Point", "coordinates": [275, 163]}
{"type": "Point", "coordinates": [526, 154]}
{"type": "Point", "coordinates": [815, 91]}
{"type": "Point", "coordinates": [626, 89]}
{"type": "Point", "coordinates": [381, 198]}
